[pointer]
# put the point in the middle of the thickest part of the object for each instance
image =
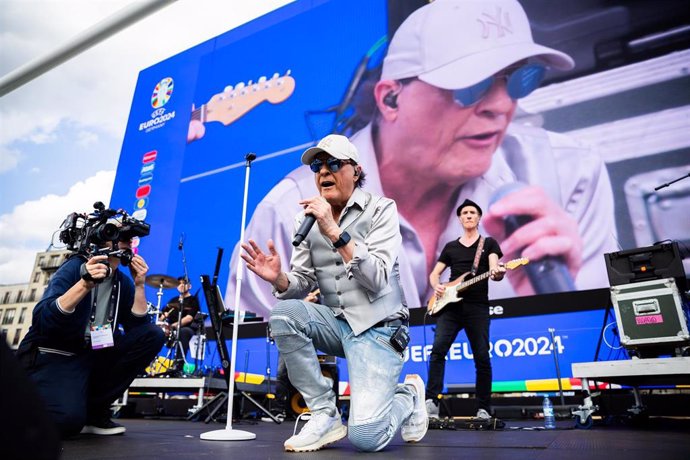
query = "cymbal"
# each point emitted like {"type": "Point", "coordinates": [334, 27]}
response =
{"type": "Point", "coordinates": [161, 281]}
{"type": "Point", "coordinates": [174, 302]}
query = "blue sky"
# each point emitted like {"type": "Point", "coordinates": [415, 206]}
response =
{"type": "Point", "coordinates": [61, 134]}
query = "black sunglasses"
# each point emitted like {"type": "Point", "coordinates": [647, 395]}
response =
{"type": "Point", "coordinates": [333, 164]}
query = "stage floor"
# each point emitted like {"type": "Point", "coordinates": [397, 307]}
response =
{"type": "Point", "coordinates": [174, 439]}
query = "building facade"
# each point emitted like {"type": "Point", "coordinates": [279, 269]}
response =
{"type": "Point", "coordinates": [18, 300]}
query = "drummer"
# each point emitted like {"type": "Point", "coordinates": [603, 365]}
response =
{"type": "Point", "coordinates": [190, 308]}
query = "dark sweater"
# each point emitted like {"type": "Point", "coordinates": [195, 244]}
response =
{"type": "Point", "coordinates": [51, 328]}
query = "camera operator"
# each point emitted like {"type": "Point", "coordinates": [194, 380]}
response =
{"type": "Point", "coordinates": [90, 334]}
{"type": "Point", "coordinates": [190, 308]}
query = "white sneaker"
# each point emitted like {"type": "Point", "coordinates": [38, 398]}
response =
{"type": "Point", "coordinates": [432, 409]}
{"type": "Point", "coordinates": [278, 415]}
{"type": "Point", "coordinates": [415, 427]}
{"type": "Point", "coordinates": [105, 427]}
{"type": "Point", "coordinates": [482, 415]}
{"type": "Point", "coordinates": [320, 430]}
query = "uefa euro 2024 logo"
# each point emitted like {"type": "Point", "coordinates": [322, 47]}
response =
{"type": "Point", "coordinates": [162, 92]}
{"type": "Point", "coordinates": [161, 95]}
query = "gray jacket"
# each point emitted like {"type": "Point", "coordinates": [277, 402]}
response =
{"type": "Point", "coordinates": [367, 289]}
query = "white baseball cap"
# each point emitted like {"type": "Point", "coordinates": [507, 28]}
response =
{"type": "Point", "coordinates": [336, 146]}
{"type": "Point", "coordinates": [453, 44]}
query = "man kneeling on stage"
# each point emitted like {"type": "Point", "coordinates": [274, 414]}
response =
{"type": "Point", "coordinates": [351, 255]}
{"type": "Point", "coordinates": [74, 351]}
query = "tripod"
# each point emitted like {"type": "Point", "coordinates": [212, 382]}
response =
{"type": "Point", "coordinates": [183, 332]}
{"type": "Point", "coordinates": [175, 354]}
{"type": "Point", "coordinates": [159, 282]}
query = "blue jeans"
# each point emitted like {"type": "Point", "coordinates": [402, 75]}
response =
{"type": "Point", "coordinates": [378, 403]}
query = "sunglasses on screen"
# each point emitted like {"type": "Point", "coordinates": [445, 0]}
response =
{"type": "Point", "coordinates": [519, 83]}
{"type": "Point", "coordinates": [333, 164]}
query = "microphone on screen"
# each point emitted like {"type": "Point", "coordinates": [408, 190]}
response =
{"type": "Point", "coordinates": [548, 274]}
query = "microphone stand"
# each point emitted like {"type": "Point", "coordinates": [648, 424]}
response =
{"type": "Point", "coordinates": [230, 434]}
{"type": "Point", "coordinates": [672, 182]}
{"type": "Point", "coordinates": [178, 347]}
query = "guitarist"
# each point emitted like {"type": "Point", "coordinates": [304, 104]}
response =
{"type": "Point", "coordinates": [464, 255]}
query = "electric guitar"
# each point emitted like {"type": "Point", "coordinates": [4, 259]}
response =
{"type": "Point", "coordinates": [233, 102]}
{"type": "Point", "coordinates": [455, 287]}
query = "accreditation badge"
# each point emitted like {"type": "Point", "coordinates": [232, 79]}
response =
{"type": "Point", "coordinates": [101, 336]}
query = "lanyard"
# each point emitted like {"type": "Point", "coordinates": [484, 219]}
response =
{"type": "Point", "coordinates": [111, 303]}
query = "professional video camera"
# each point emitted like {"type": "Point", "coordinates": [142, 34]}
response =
{"type": "Point", "coordinates": [88, 234]}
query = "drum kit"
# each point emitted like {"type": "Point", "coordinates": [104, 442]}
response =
{"type": "Point", "coordinates": [173, 363]}
{"type": "Point", "coordinates": [160, 282]}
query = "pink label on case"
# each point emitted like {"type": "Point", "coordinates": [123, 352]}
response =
{"type": "Point", "coordinates": [651, 319]}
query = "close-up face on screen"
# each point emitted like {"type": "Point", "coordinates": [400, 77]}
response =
{"type": "Point", "coordinates": [565, 122]}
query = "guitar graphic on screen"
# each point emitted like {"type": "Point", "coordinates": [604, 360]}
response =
{"type": "Point", "coordinates": [235, 101]}
{"type": "Point", "coordinates": [455, 287]}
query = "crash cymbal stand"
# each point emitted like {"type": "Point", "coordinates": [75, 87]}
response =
{"type": "Point", "coordinates": [174, 350]}
{"type": "Point", "coordinates": [159, 295]}
{"type": "Point", "coordinates": [180, 247]}
{"type": "Point", "coordinates": [178, 346]}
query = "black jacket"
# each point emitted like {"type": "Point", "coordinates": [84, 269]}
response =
{"type": "Point", "coordinates": [53, 329]}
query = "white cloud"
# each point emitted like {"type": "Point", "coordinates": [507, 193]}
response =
{"type": "Point", "coordinates": [44, 135]}
{"type": "Point", "coordinates": [96, 87]}
{"type": "Point", "coordinates": [9, 158]}
{"type": "Point", "coordinates": [86, 138]}
{"type": "Point", "coordinates": [91, 93]}
{"type": "Point", "coordinates": [28, 229]}
{"type": "Point", "coordinates": [20, 124]}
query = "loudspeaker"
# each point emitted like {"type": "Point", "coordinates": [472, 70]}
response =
{"type": "Point", "coordinates": [647, 263]}
{"type": "Point", "coordinates": [329, 368]}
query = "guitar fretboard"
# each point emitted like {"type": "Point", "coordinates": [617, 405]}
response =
{"type": "Point", "coordinates": [472, 281]}
{"type": "Point", "coordinates": [199, 114]}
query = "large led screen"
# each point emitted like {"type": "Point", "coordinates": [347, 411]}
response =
{"type": "Point", "coordinates": [604, 136]}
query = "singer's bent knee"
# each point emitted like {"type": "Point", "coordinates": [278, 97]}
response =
{"type": "Point", "coordinates": [288, 317]}
{"type": "Point", "coordinates": [370, 437]}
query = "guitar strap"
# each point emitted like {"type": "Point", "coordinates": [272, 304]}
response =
{"type": "Point", "coordinates": [477, 255]}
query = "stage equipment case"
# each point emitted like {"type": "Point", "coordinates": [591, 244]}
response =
{"type": "Point", "coordinates": [649, 313]}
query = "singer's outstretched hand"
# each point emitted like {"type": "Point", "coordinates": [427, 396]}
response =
{"type": "Point", "coordinates": [266, 266]}
{"type": "Point", "coordinates": [552, 231]}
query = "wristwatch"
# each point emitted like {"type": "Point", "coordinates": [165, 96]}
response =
{"type": "Point", "coordinates": [342, 241]}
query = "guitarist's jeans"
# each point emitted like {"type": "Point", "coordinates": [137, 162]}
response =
{"type": "Point", "coordinates": [475, 320]}
{"type": "Point", "coordinates": [378, 403]}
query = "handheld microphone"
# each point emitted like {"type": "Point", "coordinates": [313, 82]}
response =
{"type": "Point", "coordinates": [548, 274]}
{"type": "Point", "coordinates": [181, 243]}
{"type": "Point", "coordinates": [303, 229]}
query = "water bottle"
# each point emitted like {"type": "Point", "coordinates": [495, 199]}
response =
{"type": "Point", "coordinates": [188, 368]}
{"type": "Point", "coordinates": [549, 419]}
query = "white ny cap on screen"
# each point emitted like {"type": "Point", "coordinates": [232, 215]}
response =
{"type": "Point", "coordinates": [453, 44]}
{"type": "Point", "coordinates": [336, 146]}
